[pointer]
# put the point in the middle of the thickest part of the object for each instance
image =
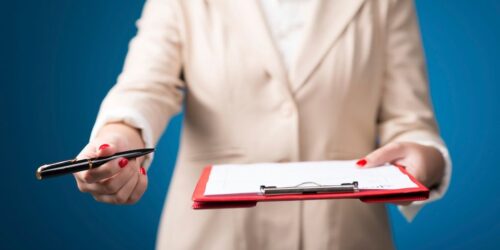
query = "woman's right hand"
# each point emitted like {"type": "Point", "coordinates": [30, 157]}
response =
{"type": "Point", "coordinates": [120, 181]}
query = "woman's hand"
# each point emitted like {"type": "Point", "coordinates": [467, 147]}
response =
{"type": "Point", "coordinates": [120, 181]}
{"type": "Point", "coordinates": [425, 163]}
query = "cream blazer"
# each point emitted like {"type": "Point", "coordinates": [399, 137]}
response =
{"type": "Point", "coordinates": [359, 82]}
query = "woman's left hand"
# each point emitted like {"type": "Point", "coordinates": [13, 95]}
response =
{"type": "Point", "coordinates": [425, 163]}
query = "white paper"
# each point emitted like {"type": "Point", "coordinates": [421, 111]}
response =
{"type": "Point", "coordinates": [247, 178]}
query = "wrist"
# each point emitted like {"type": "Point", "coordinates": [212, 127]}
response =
{"type": "Point", "coordinates": [130, 136]}
{"type": "Point", "coordinates": [435, 164]}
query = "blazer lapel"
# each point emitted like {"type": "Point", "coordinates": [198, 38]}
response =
{"type": "Point", "coordinates": [246, 19]}
{"type": "Point", "coordinates": [330, 20]}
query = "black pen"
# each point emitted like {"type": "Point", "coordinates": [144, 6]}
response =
{"type": "Point", "coordinates": [73, 166]}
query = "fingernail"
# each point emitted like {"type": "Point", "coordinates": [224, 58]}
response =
{"type": "Point", "coordinates": [143, 171]}
{"type": "Point", "coordinates": [361, 162]}
{"type": "Point", "coordinates": [123, 162]}
{"type": "Point", "coordinates": [103, 146]}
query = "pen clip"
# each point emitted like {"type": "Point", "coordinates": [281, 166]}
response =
{"type": "Point", "coordinates": [310, 188]}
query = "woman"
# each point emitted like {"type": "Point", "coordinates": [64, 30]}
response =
{"type": "Point", "coordinates": [271, 82]}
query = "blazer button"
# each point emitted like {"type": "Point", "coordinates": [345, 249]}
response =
{"type": "Point", "coordinates": [287, 109]}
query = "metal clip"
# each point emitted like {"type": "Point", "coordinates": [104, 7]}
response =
{"type": "Point", "coordinates": [313, 188]}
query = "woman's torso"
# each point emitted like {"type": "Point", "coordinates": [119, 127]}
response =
{"type": "Point", "coordinates": [242, 105]}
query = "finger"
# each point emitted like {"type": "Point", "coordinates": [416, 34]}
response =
{"type": "Point", "coordinates": [113, 184]}
{"type": "Point", "coordinates": [91, 151]}
{"type": "Point", "coordinates": [97, 149]}
{"type": "Point", "coordinates": [122, 195]}
{"type": "Point", "coordinates": [106, 149]}
{"type": "Point", "coordinates": [105, 171]}
{"type": "Point", "coordinates": [140, 188]}
{"type": "Point", "coordinates": [389, 153]}
{"type": "Point", "coordinates": [82, 186]}
{"type": "Point", "coordinates": [402, 203]}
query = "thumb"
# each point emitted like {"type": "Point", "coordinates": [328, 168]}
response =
{"type": "Point", "coordinates": [98, 148]}
{"type": "Point", "coordinates": [387, 154]}
{"type": "Point", "coordinates": [106, 149]}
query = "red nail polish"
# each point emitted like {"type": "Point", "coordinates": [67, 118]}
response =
{"type": "Point", "coordinates": [361, 162]}
{"type": "Point", "coordinates": [143, 171]}
{"type": "Point", "coordinates": [103, 146]}
{"type": "Point", "coordinates": [123, 162]}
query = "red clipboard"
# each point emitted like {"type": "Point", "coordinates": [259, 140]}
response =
{"type": "Point", "coordinates": [200, 201]}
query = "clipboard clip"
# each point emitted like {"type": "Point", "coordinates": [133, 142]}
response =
{"type": "Point", "coordinates": [310, 188]}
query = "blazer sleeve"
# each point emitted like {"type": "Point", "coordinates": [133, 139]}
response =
{"type": "Point", "coordinates": [149, 90]}
{"type": "Point", "coordinates": [406, 113]}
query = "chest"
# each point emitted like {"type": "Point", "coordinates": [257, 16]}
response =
{"type": "Point", "coordinates": [231, 54]}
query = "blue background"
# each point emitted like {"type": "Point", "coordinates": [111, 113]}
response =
{"type": "Point", "coordinates": [59, 58]}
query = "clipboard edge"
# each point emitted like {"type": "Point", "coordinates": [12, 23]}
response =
{"type": "Point", "coordinates": [200, 201]}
